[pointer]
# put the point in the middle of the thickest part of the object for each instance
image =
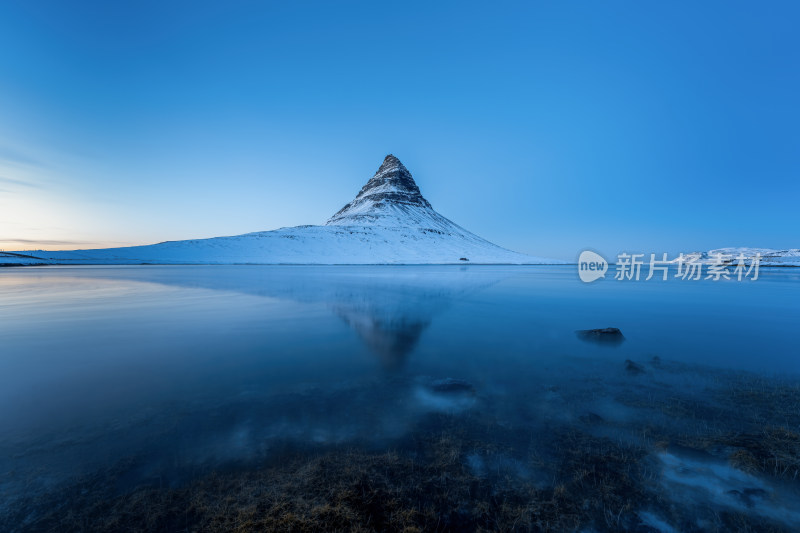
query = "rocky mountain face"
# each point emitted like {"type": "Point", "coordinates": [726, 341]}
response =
{"type": "Point", "coordinates": [391, 186]}
{"type": "Point", "coordinates": [392, 199]}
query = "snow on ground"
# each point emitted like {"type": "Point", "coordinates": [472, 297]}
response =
{"type": "Point", "coordinates": [300, 245]}
{"type": "Point", "coordinates": [786, 257]}
{"type": "Point", "coordinates": [389, 222]}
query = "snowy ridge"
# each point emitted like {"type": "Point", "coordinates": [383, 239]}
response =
{"type": "Point", "coordinates": [769, 257]}
{"type": "Point", "coordinates": [388, 222]}
{"type": "Point", "coordinates": [390, 198]}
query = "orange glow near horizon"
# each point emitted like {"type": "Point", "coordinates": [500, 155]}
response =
{"type": "Point", "coordinates": [30, 246]}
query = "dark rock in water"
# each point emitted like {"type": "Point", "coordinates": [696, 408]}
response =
{"type": "Point", "coordinates": [602, 335]}
{"type": "Point", "coordinates": [749, 496]}
{"type": "Point", "coordinates": [591, 418]}
{"type": "Point", "coordinates": [451, 386]}
{"type": "Point", "coordinates": [692, 454]}
{"type": "Point", "coordinates": [633, 368]}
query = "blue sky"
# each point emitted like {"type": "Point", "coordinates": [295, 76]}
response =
{"type": "Point", "coordinates": [544, 127]}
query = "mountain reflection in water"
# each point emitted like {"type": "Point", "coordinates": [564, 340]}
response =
{"type": "Point", "coordinates": [388, 307]}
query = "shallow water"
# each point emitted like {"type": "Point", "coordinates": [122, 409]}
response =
{"type": "Point", "coordinates": [153, 376]}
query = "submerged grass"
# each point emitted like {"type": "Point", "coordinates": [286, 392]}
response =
{"type": "Point", "coordinates": [471, 472]}
{"type": "Point", "coordinates": [352, 490]}
{"type": "Point", "coordinates": [773, 452]}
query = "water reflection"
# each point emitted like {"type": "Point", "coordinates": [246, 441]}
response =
{"type": "Point", "coordinates": [389, 308]}
{"type": "Point", "coordinates": [155, 376]}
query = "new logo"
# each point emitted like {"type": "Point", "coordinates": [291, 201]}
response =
{"type": "Point", "coordinates": [591, 266]}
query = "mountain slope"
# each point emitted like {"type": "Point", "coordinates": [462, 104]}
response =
{"type": "Point", "coordinates": [388, 222]}
{"type": "Point", "coordinates": [769, 257]}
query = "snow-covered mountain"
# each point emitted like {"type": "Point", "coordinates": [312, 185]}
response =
{"type": "Point", "coordinates": [788, 257]}
{"type": "Point", "coordinates": [388, 222]}
{"type": "Point", "coordinates": [390, 198]}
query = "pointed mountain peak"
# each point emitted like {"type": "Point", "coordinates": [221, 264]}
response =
{"type": "Point", "coordinates": [393, 172]}
{"type": "Point", "coordinates": [392, 185]}
{"type": "Point", "coordinates": [390, 162]}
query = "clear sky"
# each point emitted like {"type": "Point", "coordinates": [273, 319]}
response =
{"type": "Point", "coordinates": [546, 127]}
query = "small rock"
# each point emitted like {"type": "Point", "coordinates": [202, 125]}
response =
{"type": "Point", "coordinates": [602, 335]}
{"type": "Point", "coordinates": [690, 453]}
{"type": "Point", "coordinates": [749, 496]}
{"type": "Point", "coordinates": [451, 385]}
{"type": "Point", "coordinates": [633, 368]}
{"type": "Point", "coordinates": [591, 418]}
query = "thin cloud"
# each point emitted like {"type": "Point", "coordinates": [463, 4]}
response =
{"type": "Point", "coordinates": [12, 181]}
{"type": "Point", "coordinates": [15, 156]}
{"type": "Point", "coordinates": [47, 242]}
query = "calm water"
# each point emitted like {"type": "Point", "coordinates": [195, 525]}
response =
{"type": "Point", "coordinates": [184, 370]}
